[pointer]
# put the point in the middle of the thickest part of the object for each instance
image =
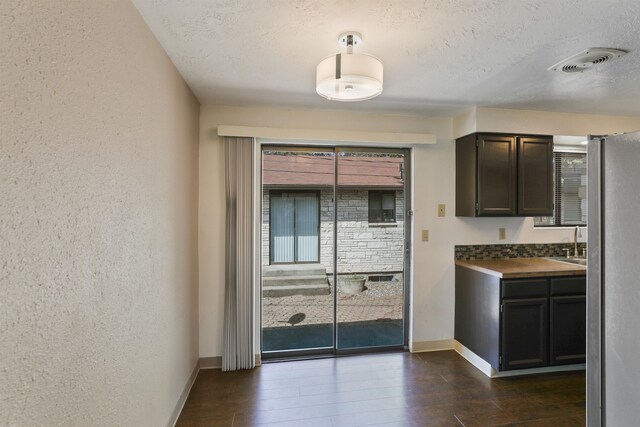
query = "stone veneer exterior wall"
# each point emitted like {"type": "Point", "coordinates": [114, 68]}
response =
{"type": "Point", "coordinates": [362, 247]}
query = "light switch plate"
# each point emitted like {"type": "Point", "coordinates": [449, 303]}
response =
{"type": "Point", "coordinates": [502, 233]}
{"type": "Point", "coordinates": [441, 210]}
{"type": "Point", "coordinates": [425, 235]}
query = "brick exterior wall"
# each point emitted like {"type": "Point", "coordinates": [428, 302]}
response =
{"type": "Point", "coordinates": [362, 247]}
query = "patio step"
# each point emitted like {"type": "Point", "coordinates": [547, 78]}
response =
{"type": "Point", "coordinates": [294, 270]}
{"type": "Point", "coordinates": [295, 285]}
{"type": "Point", "coordinates": [295, 280]}
{"type": "Point", "coordinates": [288, 290]}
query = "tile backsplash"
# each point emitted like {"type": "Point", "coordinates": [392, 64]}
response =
{"type": "Point", "coordinates": [521, 250]}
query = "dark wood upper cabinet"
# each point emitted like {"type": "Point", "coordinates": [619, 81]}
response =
{"type": "Point", "coordinates": [504, 175]}
{"type": "Point", "coordinates": [496, 175]}
{"type": "Point", "coordinates": [535, 176]}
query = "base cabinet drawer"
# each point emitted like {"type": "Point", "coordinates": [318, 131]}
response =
{"type": "Point", "coordinates": [525, 288]}
{"type": "Point", "coordinates": [568, 286]}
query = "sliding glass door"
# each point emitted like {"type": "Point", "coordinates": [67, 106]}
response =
{"type": "Point", "coordinates": [297, 237]}
{"type": "Point", "coordinates": [370, 248]}
{"type": "Point", "coordinates": [333, 250]}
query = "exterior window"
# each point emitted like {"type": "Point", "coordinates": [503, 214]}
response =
{"type": "Point", "coordinates": [570, 192]}
{"type": "Point", "coordinates": [294, 224]}
{"type": "Point", "coordinates": [382, 206]}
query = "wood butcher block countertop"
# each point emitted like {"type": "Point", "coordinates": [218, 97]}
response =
{"type": "Point", "coordinates": [515, 268]}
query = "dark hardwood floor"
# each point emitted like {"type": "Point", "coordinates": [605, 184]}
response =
{"type": "Point", "coordinates": [389, 389]}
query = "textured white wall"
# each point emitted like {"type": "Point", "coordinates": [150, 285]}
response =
{"type": "Point", "coordinates": [434, 183]}
{"type": "Point", "coordinates": [98, 218]}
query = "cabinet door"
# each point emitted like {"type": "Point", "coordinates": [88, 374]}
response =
{"type": "Point", "coordinates": [535, 176]}
{"type": "Point", "coordinates": [568, 335]}
{"type": "Point", "coordinates": [496, 192]}
{"type": "Point", "coordinates": [525, 326]}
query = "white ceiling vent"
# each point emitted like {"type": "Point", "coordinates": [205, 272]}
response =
{"type": "Point", "coordinates": [586, 59]}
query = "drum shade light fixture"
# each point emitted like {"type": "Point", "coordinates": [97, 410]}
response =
{"type": "Point", "coordinates": [351, 76]}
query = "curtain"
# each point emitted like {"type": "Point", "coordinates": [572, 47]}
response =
{"type": "Point", "coordinates": [239, 351]}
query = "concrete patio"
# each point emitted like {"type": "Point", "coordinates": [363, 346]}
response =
{"type": "Point", "coordinates": [381, 300]}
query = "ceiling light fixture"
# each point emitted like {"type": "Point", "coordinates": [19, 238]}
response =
{"type": "Point", "coordinates": [351, 76]}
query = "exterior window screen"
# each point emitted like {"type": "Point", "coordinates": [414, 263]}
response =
{"type": "Point", "coordinates": [382, 206]}
{"type": "Point", "coordinates": [570, 191]}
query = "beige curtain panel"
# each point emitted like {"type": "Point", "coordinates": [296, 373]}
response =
{"type": "Point", "coordinates": [238, 352]}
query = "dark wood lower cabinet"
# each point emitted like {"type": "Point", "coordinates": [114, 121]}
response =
{"type": "Point", "coordinates": [525, 326]}
{"type": "Point", "coordinates": [567, 336]}
{"type": "Point", "coordinates": [521, 323]}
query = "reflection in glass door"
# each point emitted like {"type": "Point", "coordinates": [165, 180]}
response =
{"type": "Point", "coordinates": [371, 252]}
{"type": "Point", "coordinates": [294, 227]}
{"type": "Point", "coordinates": [297, 243]}
{"type": "Point", "coordinates": [303, 310]}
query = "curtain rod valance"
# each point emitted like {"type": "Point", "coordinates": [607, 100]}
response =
{"type": "Point", "coordinates": [327, 135]}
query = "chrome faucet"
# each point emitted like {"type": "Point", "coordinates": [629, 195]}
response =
{"type": "Point", "coordinates": [575, 241]}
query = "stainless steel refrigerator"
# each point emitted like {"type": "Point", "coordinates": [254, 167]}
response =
{"type": "Point", "coordinates": [613, 281]}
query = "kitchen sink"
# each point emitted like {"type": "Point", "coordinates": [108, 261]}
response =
{"type": "Point", "coordinates": [570, 260]}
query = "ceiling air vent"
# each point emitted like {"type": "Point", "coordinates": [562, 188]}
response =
{"type": "Point", "coordinates": [586, 59]}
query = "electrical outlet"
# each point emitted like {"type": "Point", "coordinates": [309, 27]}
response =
{"type": "Point", "coordinates": [502, 233]}
{"type": "Point", "coordinates": [425, 235]}
{"type": "Point", "coordinates": [441, 210]}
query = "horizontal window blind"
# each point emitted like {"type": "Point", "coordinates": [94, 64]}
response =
{"type": "Point", "coordinates": [570, 184]}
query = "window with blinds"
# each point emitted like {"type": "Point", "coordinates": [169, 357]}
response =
{"type": "Point", "coordinates": [382, 206]}
{"type": "Point", "coordinates": [570, 191]}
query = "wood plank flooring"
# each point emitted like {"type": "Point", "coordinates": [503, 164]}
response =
{"type": "Point", "coordinates": [389, 389]}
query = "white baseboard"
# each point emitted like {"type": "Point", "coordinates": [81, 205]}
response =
{"type": "Point", "coordinates": [474, 359]}
{"type": "Point", "coordinates": [203, 363]}
{"type": "Point", "coordinates": [211, 362]}
{"type": "Point", "coordinates": [216, 362]}
{"type": "Point", "coordinates": [438, 345]}
{"type": "Point", "coordinates": [488, 370]}
{"type": "Point", "coordinates": [183, 396]}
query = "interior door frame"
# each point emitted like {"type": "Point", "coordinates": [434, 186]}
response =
{"type": "Point", "coordinates": [336, 147]}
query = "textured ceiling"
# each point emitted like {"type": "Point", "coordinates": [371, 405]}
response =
{"type": "Point", "coordinates": [440, 56]}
